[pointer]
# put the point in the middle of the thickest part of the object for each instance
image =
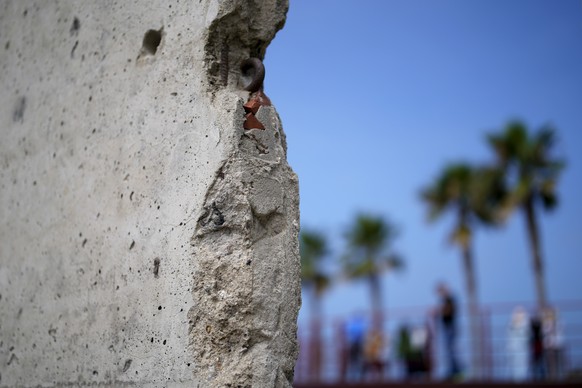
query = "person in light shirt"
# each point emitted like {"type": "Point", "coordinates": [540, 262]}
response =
{"type": "Point", "coordinates": [518, 337]}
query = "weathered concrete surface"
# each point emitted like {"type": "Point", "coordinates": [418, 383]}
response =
{"type": "Point", "coordinates": [243, 330]}
{"type": "Point", "coordinates": [145, 238]}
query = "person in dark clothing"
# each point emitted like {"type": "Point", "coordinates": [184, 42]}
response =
{"type": "Point", "coordinates": [447, 315]}
{"type": "Point", "coordinates": [405, 350]}
{"type": "Point", "coordinates": [413, 350]}
{"type": "Point", "coordinates": [538, 366]}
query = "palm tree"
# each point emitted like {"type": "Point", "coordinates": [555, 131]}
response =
{"type": "Point", "coordinates": [472, 194]}
{"type": "Point", "coordinates": [531, 173]}
{"type": "Point", "coordinates": [368, 255]}
{"type": "Point", "coordinates": [313, 249]}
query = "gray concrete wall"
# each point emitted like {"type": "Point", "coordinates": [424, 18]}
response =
{"type": "Point", "coordinates": [117, 153]}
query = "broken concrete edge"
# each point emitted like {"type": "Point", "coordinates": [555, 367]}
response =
{"type": "Point", "coordinates": [243, 324]}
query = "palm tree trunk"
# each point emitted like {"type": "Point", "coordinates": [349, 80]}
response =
{"type": "Point", "coordinates": [376, 297]}
{"type": "Point", "coordinates": [315, 304]}
{"type": "Point", "coordinates": [537, 261]}
{"type": "Point", "coordinates": [471, 289]}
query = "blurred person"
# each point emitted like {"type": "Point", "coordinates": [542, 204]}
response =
{"type": "Point", "coordinates": [355, 332]}
{"type": "Point", "coordinates": [419, 340]}
{"type": "Point", "coordinates": [538, 367]}
{"type": "Point", "coordinates": [404, 350]}
{"type": "Point", "coordinates": [553, 343]}
{"type": "Point", "coordinates": [518, 338]}
{"type": "Point", "coordinates": [447, 316]}
{"type": "Point", "coordinates": [374, 345]}
{"type": "Point", "coordinates": [413, 349]}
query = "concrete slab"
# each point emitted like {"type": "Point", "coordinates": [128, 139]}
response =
{"type": "Point", "coordinates": [117, 140]}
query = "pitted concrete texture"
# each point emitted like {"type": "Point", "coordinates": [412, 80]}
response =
{"type": "Point", "coordinates": [146, 239]}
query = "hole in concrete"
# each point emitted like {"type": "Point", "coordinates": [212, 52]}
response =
{"type": "Point", "coordinates": [73, 49]}
{"type": "Point", "coordinates": [18, 112]}
{"type": "Point", "coordinates": [75, 26]}
{"type": "Point", "coordinates": [151, 41]}
{"type": "Point", "coordinates": [127, 365]}
{"type": "Point", "coordinates": [156, 267]}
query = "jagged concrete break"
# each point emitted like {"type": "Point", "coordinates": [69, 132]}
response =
{"type": "Point", "coordinates": [244, 324]}
{"type": "Point", "coordinates": [147, 239]}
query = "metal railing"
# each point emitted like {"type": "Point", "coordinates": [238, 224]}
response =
{"type": "Point", "coordinates": [325, 349]}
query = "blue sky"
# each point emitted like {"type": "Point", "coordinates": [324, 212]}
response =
{"type": "Point", "coordinates": [377, 96]}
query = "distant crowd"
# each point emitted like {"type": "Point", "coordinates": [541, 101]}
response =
{"type": "Point", "coordinates": [534, 345]}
